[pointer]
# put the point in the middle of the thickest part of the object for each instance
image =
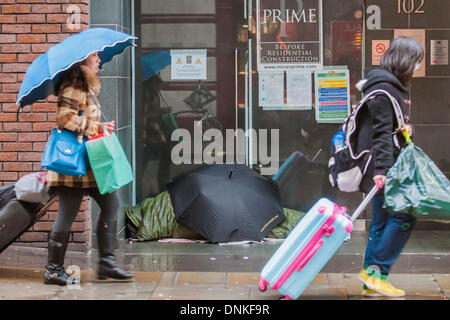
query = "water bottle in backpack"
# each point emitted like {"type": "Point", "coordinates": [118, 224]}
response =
{"type": "Point", "coordinates": [338, 140]}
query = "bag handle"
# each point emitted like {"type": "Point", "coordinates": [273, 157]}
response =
{"type": "Point", "coordinates": [97, 103]}
{"type": "Point", "coordinates": [406, 135]}
{"type": "Point", "coordinates": [80, 136]}
{"type": "Point", "coordinates": [106, 131]}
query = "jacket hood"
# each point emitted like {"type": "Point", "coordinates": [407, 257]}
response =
{"type": "Point", "coordinates": [379, 75]}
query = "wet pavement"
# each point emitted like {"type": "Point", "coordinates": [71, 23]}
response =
{"type": "Point", "coordinates": [427, 252]}
{"type": "Point", "coordinates": [204, 271]}
{"type": "Point", "coordinates": [26, 284]}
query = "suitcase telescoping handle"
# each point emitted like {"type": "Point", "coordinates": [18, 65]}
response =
{"type": "Point", "coordinates": [366, 200]}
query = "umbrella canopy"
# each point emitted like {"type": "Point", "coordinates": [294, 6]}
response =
{"type": "Point", "coordinates": [154, 62]}
{"type": "Point", "coordinates": [42, 75]}
{"type": "Point", "coordinates": [227, 202]}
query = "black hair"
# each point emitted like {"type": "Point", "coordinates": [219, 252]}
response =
{"type": "Point", "coordinates": [401, 57]}
{"type": "Point", "coordinates": [73, 76]}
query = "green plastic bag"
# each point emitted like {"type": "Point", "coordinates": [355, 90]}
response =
{"type": "Point", "coordinates": [415, 185]}
{"type": "Point", "coordinates": [109, 163]}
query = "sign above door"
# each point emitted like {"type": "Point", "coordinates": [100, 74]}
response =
{"type": "Point", "coordinates": [289, 35]}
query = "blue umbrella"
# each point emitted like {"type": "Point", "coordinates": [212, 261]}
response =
{"type": "Point", "coordinates": [154, 62]}
{"type": "Point", "coordinates": [42, 75]}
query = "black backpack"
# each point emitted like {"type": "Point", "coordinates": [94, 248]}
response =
{"type": "Point", "coordinates": [346, 167]}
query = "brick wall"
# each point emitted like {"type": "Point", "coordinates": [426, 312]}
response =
{"type": "Point", "coordinates": [28, 29]}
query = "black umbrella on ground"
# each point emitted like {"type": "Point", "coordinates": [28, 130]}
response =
{"type": "Point", "coordinates": [227, 202]}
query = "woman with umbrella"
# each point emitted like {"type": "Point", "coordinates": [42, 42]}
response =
{"type": "Point", "coordinates": [71, 75]}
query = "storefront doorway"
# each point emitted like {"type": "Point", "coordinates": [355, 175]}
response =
{"type": "Point", "coordinates": [227, 32]}
{"type": "Point", "coordinates": [246, 82]}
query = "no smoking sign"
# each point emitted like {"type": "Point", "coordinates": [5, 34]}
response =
{"type": "Point", "coordinates": [379, 47]}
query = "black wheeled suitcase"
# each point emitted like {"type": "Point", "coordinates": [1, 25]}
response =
{"type": "Point", "coordinates": [16, 216]}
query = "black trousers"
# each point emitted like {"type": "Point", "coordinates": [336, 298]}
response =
{"type": "Point", "coordinates": [70, 201]}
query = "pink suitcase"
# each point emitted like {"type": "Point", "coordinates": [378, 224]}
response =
{"type": "Point", "coordinates": [309, 247]}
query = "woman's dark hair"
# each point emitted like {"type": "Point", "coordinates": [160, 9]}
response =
{"type": "Point", "coordinates": [401, 58]}
{"type": "Point", "coordinates": [73, 76]}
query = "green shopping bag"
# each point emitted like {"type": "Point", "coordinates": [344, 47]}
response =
{"type": "Point", "coordinates": [415, 185]}
{"type": "Point", "coordinates": [108, 162]}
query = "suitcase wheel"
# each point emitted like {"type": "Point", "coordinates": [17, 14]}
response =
{"type": "Point", "coordinates": [262, 285]}
{"type": "Point", "coordinates": [286, 297]}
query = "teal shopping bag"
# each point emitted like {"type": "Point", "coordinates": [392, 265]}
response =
{"type": "Point", "coordinates": [108, 162]}
{"type": "Point", "coordinates": [415, 185]}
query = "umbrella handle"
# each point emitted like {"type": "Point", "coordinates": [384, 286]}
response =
{"type": "Point", "coordinates": [406, 135]}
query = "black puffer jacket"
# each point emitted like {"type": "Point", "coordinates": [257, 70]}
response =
{"type": "Point", "coordinates": [378, 123]}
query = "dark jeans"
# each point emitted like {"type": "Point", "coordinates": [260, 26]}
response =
{"type": "Point", "coordinates": [388, 235]}
{"type": "Point", "coordinates": [70, 201]}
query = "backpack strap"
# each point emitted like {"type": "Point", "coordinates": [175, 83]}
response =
{"type": "Point", "coordinates": [395, 105]}
{"type": "Point", "coordinates": [349, 126]}
{"type": "Point", "coordinates": [398, 114]}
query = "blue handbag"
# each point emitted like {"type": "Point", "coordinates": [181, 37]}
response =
{"type": "Point", "coordinates": [65, 153]}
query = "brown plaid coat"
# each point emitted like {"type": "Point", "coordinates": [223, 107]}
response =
{"type": "Point", "coordinates": [71, 102]}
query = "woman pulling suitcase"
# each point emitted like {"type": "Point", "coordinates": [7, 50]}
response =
{"type": "Point", "coordinates": [75, 89]}
{"type": "Point", "coordinates": [388, 232]}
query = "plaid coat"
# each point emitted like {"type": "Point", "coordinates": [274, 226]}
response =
{"type": "Point", "coordinates": [71, 102]}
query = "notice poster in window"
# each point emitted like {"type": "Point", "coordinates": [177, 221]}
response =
{"type": "Point", "coordinates": [332, 96]}
{"type": "Point", "coordinates": [299, 89]}
{"type": "Point", "coordinates": [271, 89]}
{"type": "Point", "coordinates": [188, 64]}
{"type": "Point", "coordinates": [289, 35]}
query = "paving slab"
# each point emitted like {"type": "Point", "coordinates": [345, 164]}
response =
{"type": "Point", "coordinates": [26, 284]}
{"type": "Point", "coordinates": [243, 279]}
{"type": "Point", "coordinates": [200, 278]}
{"type": "Point", "coordinates": [200, 292]}
{"type": "Point", "coordinates": [443, 281]}
{"type": "Point", "coordinates": [27, 291]}
{"type": "Point", "coordinates": [109, 291]}
{"type": "Point", "coordinates": [416, 284]}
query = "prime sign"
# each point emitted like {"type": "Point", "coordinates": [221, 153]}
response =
{"type": "Point", "coordinates": [290, 16]}
{"type": "Point", "coordinates": [289, 35]}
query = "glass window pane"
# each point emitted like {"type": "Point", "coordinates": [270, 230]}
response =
{"type": "Point", "coordinates": [178, 6]}
{"type": "Point", "coordinates": [180, 35]}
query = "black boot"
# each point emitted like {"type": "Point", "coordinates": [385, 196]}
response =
{"type": "Point", "coordinates": [107, 268]}
{"type": "Point", "coordinates": [55, 273]}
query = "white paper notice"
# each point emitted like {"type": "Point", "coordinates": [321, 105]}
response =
{"type": "Point", "coordinates": [188, 64]}
{"type": "Point", "coordinates": [439, 52]}
{"type": "Point", "coordinates": [271, 89]}
{"type": "Point", "coordinates": [299, 89]}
